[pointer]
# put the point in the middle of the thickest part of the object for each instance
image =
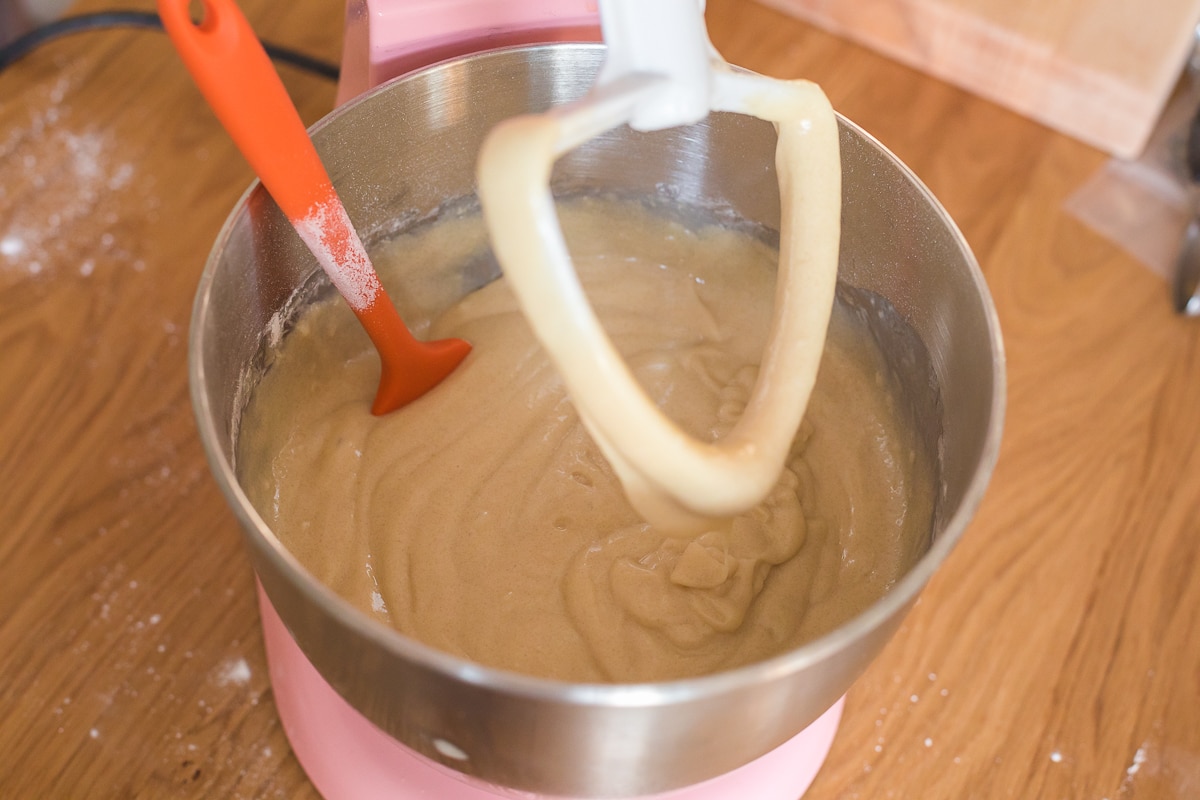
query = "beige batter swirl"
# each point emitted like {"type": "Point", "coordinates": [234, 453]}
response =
{"type": "Point", "coordinates": [483, 520]}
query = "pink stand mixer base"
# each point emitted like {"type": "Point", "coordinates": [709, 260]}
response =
{"type": "Point", "coordinates": [348, 758]}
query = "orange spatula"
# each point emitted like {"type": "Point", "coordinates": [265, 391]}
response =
{"type": "Point", "coordinates": [239, 82]}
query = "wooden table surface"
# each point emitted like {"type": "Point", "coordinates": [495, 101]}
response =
{"type": "Point", "coordinates": [1056, 654]}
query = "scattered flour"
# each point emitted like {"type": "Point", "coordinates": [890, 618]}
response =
{"type": "Point", "coordinates": [69, 181]}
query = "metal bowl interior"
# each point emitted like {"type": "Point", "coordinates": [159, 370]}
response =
{"type": "Point", "coordinates": [401, 153]}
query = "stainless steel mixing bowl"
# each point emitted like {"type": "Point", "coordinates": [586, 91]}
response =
{"type": "Point", "coordinates": [403, 151]}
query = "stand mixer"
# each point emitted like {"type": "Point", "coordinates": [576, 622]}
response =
{"type": "Point", "coordinates": [371, 714]}
{"type": "Point", "coordinates": [341, 751]}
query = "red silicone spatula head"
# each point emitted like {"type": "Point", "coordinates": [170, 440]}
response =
{"type": "Point", "coordinates": [239, 82]}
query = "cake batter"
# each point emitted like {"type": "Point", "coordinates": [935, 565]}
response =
{"type": "Point", "coordinates": [483, 520]}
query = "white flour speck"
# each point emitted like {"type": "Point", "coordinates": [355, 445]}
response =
{"type": "Point", "coordinates": [914, 699]}
{"type": "Point", "coordinates": [275, 329]}
{"type": "Point", "coordinates": [928, 742]}
{"type": "Point", "coordinates": [235, 671]}
{"type": "Point", "coordinates": [95, 734]}
{"type": "Point", "coordinates": [1139, 758]}
{"type": "Point", "coordinates": [120, 177]}
{"type": "Point", "coordinates": [1056, 757]}
{"type": "Point", "coordinates": [12, 246]}
{"type": "Point", "coordinates": [377, 603]}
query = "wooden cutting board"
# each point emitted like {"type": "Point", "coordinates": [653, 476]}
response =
{"type": "Point", "coordinates": [1098, 70]}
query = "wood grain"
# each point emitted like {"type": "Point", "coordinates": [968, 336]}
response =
{"type": "Point", "coordinates": [1100, 70]}
{"type": "Point", "coordinates": [131, 651]}
{"type": "Point", "coordinates": [1056, 654]}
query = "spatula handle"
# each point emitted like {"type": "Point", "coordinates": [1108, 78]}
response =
{"type": "Point", "coordinates": [236, 77]}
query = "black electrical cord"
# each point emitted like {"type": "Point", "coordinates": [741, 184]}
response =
{"type": "Point", "coordinates": [25, 44]}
